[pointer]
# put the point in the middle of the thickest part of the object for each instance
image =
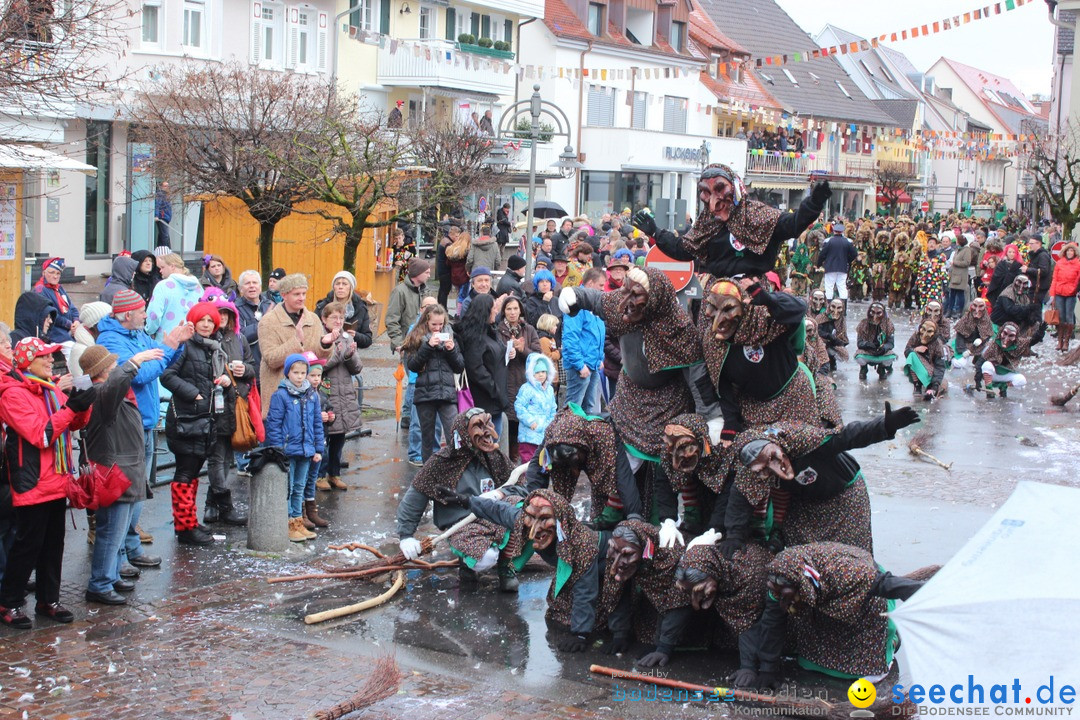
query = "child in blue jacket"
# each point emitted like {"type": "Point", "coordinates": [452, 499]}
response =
{"type": "Point", "coordinates": [535, 404]}
{"type": "Point", "coordinates": [294, 423]}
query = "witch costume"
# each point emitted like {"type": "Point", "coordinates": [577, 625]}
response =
{"type": "Point", "coordinates": [460, 467]}
{"type": "Point", "coordinates": [875, 341]}
{"type": "Point", "coordinates": [740, 584]}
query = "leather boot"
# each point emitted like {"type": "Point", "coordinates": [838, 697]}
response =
{"type": "Point", "coordinates": [296, 530]}
{"type": "Point", "coordinates": [1065, 333]}
{"type": "Point", "coordinates": [311, 510]}
{"type": "Point", "coordinates": [322, 484]}
{"type": "Point", "coordinates": [212, 514]}
{"type": "Point", "coordinates": [308, 525]}
{"type": "Point", "coordinates": [194, 536]}
{"type": "Point", "coordinates": [227, 511]}
{"type": "Point", "coordinates": [508, 581]}
{"type": "Point", "coordinates": [336, 483]}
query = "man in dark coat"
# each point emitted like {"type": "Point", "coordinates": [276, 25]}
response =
{"type": "Point", "coordinates": [510, 282]}
{"type": "Point", "coordinates": [1039, 270]}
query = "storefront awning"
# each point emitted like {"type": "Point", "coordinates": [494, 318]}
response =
{"type": "Point", "coordinates": [31, 157]}
{"type": "Point", "coordinates": [904, 198]}
{"type": "Point", "coordinates": [778, 185]}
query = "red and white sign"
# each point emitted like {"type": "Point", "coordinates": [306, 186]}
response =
{"type": "Point", "coordinates": [677, 271]}
{"type": "Point", "coordinates": [925, 206]}
{"type": "Point", "coordinates": [1056, 249]}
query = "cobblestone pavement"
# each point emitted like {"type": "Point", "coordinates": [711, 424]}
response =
{"type": "Point", "coordinates": [207, 637]}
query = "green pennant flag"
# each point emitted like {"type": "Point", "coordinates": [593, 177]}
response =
{"type": "Point", "coordinates": [1010, 4]}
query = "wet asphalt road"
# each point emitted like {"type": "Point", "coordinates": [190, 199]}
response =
{"type": "Point", "coordinates": [482, 642]}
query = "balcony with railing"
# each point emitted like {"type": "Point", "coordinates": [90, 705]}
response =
{"type": "Point", "coordinates": [765, 163]}
{"type": "Point", "coordinates": [438, 63]}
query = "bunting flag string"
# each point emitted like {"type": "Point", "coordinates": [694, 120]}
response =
{"type": "Point", "coordinates": [931, 28]}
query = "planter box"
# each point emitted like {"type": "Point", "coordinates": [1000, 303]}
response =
{"type": "Point", "coordinates": [490, 52]}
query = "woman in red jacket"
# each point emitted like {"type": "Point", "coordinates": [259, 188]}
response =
{"type": "Point", "coordinates": [38, 454]}
{"type": "Point", "coordinates": [1063, 287]}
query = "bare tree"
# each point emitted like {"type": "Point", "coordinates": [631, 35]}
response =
{"type": "Point", "coordinates": [380, 176]}
{"type": "Point", "coordinates": [53, 54]}
{"type": "Point", "coordinates": [229, 130]}
{"type": "Point", "coordinates": [892, 179]}
{"type": "Point", "coordinates": [1055, 165]}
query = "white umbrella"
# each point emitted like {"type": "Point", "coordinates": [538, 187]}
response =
{"type": "Point", "coordinates": [1006, 607]}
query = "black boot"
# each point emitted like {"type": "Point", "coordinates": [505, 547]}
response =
{"type": "Point", "coordinates": [212, 514]}
{"type": "Point", "coordinates": [228, 512]}
{"type": "Point", "coordinates": [882, 372]}
{"type": "Point", "coordinates": [467, 577]}
{"type": "Point", "coordinates": [194, 536]}
{"type": "Point", "coordinates": [864, 371]}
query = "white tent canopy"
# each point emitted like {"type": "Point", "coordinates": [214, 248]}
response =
{"type": "Point", "coordinates": [1006, 607]}
{"type": "Point", "coordinates": [31, 157]}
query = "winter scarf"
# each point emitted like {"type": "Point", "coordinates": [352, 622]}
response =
{"type": "Point", "coordinates": [62, 459]}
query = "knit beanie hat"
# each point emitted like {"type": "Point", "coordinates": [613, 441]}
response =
{"type": "Point", "coordinates": [200, 310]}
{"type": "Point", "coordinates": [291, 282]}
{"type": "Point", "coordinates": [95, 360]}
{"type": "Point", "coordinates": [292, 360]}
{"type": "Point", "coordinates": [418, 267]}
{"type": "Point", "coordinates": [126, 300]}
{"type": "Point", "coordinates": [479, 272]}
{"type": "Point", "coordinates": [92, 312]}
{"type": "Point", "coordinates": [348, 276]}
{"type": "Point", "coordinates": [515, 262]}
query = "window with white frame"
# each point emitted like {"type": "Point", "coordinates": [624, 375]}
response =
{"type": "Point", "coordinates": [789, 76]}
{"type": "Point", "coordinates": [428, 29]}
{"type": "Point", "coordinates": [678, 36]}
{"type": "Point", "coordinates": [268, 34]}
{"type": "Point", "coordinates": [674, 114]}
{"type": "Point", "coordinates": [195, 36]}
{"type": "Point", "coordinates": [843, 90]}
{"type": "Point", "coordinates": [151, 24]}
{"type": "Point", "coordinates": [308, 38]}
{"type": "Point", "coordinates": [601, 107]}
{"type": "Point", "coordinates": [366, 15]}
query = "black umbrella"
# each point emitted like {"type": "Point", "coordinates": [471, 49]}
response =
{"type": "Point", "coordinates": [545, 209]}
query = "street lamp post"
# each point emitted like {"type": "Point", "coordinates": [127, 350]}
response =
{"type": "Point", "coordinates": [498, 159]}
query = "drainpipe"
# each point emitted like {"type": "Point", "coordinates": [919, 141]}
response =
{"type": "Point", "coordinates": [1051, 5]}
{"type": "Point", "coordinates": [517, 77]}
{"type": "Point", "coordinates": [580, 107]}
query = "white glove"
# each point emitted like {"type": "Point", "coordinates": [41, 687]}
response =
{"type": "Point", "coordinates": [709, 537]}
{"type": "Point", "coordinates": [669, 534]}
{"type": "Point", "coordinates": [716, 426]}
{"type": "Point", "coordinates": [410, 548]}
{"type": "Point", "coordinates": [978, 342]}
{"type": "Point", "coordinates": [567, 300]}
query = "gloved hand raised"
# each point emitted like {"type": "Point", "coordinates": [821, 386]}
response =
{"type": "Point", "coordinates": [81, 400]}
{"type": "Point", "coordinates": [410, 548]}
{"type": "Point", "coordinates": [894, 420]}
{"type": "Point", "coordinates": [669, 534]}
{"type": "Point", "coordinates": [644, 221]}
{"type": "Point", "coordinates": [821, 192]}
{"type": "Point", "coordinates": [568, 301]}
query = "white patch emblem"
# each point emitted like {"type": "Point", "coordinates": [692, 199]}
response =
{"type": "Point", "coordinates": [806, 477]}
{"type": "Point", "coordinates": [739, 247]}
{"type": "Point", "coordinates": [754, 354]}
{"type": "Point", "coordinates": [486, 485]}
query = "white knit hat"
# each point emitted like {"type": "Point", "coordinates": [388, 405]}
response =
{"type": "Point", "coordinates": [92, 312]}
{"type": "Point", "coordinates": [348, 276]}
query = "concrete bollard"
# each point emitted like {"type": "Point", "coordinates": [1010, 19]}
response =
{"type": "Point", "coordinates": [268, 517]}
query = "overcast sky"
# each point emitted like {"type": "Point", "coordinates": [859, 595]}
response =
{"type": "Point", "coordinates": [1017, 44]}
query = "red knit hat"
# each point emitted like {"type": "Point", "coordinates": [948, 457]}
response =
{"type": "Point", "coordinates": [125, 300]}
{"type": "Point", "coordinates": [200, 310]}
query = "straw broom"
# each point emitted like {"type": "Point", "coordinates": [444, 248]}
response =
{"type": "Point", "coordinates": [1060, 400]}
{"type": "Point", "coordinates": [384, 681]}
{"type": "Point", "coordinates": [915, 448]}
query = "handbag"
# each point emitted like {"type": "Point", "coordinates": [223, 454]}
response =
{"type": "Point", "coordinates": [243, 437]}
{"type": "Point", "coordinates": [254, 400]}
{"type": "Point", "coordinates": [96, 486]}
{"type": "Point", "coordinates": [464, 394]}
{"type": "Point", "coordinates": [1051, 316]}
